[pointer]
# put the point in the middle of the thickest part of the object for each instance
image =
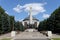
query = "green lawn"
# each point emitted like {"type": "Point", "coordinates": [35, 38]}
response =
{"type": "Point", "coordinates": [56, 38]}
{"type": "Point", "coordinates": [6, 39]}
{"type": "Point", "coordinates": [10, 39]}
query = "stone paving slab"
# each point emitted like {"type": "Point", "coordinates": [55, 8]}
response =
{"type": "Point", "coordinates": [31, 39]}
{"type": "Point", "coordinates": [8, 35]}
{"type": "Point", "coordinates": [30, 35]}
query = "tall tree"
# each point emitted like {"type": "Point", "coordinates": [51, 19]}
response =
{"type": "Point", "coordinates": [52, 23]}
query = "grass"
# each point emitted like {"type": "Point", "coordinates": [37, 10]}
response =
{"type": "Point", "coordinates": [10, 39]}
{"type": "Point", "coordinates": [56, 38]}
{"type": "Point", "coordinates": [6, 39]}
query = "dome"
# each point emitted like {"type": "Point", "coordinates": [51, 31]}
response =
{"type": "Point", "coordinates": [27, 18]}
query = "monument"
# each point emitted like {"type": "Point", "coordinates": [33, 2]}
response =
{"type": "Point", "coordinates": [30, 21]}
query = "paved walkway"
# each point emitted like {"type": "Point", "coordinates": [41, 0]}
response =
{"type": "Point", "coordinates": [8, 35]}
{"type": "Point", "coordinates": [55, 36]}
{"type": "Point", "coordinates": [30, 35]}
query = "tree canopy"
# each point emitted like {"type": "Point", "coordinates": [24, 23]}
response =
{"type": "Point", "coordinates": [8, 23]}
{"type": "Point", "coordinates": [52, 23]}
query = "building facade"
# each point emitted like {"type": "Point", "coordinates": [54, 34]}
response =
{"type": "Point", "coordinates": [30, 21]}
{"type": "Point", "coordinates": [26, 22]}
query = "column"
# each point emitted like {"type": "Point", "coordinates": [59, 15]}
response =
{"type": "Point", "coordinates": [30, 15]}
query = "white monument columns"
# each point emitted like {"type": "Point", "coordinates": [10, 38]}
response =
{"type": "Point", "coordinates": [30, 19]}
{"type": "Point", "coordinates": [30, 15]}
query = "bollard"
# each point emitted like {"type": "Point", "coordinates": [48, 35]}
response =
{"type": "Point", "coordinates": [49, 34]}
{"type": "Point", "coordinates": [13, 33]}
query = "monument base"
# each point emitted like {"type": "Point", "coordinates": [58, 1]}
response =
{"type": "Point", "coordinates": [30, 30]}
{"type": "Point", "coordinates": [13, 33]}
{"type": "Point", "coordinates": [49, 34]}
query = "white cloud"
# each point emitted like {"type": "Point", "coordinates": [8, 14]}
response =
{"type": "Point", "coordinates": [36, 8]}
{"type": "Point", "coordinates": [6, 12]}
{"type": "Point", "coordinates": [20, 19]}
{"type": "Point", "coordinates": [18, 8]}
{"type": "Point", "coordinates": [46, 16]}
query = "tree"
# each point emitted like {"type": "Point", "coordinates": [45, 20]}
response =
{"type": "Point", "coordinates": [52, 23]}
{"type": "Point", "coordinates": [57, 20]}
{"type": "Point", "coordinates": [1, 19]}
{"type": "Point", "coordinates": [43, 26]}
{"type": "Point", "coordinates": [12, 22]}
{"type": "Point", "coordinates": [5, 21]}
{"type": "Point", "coordinates": [19, 26]}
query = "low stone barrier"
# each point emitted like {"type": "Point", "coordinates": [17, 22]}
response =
{"type": "Point", "coordinates": [13, 33]}
{"type": "Point", "coordinates": [44, 33]}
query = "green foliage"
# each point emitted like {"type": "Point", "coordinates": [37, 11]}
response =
{"type": "Point", "coordinates": [56, 38]}
{"type": "Point", "coordinates": [52, 23]}
{"type": "Point", "coordinates": [6, 39]}
{"type": "Point", "coordinates": [8, 23]}
{"type": "Point", "coordinates": [5, 21]}
{"type": "Point", "coordinates": [1, 10]}
{"type": "Point", "coordinates": [57, 20]}
{"type": "Point", "coordinates": [19, 26]}
{"type": "Point", "coordinates": [43, 26]}
{"type": "Point", "coordinates": [12, 22]}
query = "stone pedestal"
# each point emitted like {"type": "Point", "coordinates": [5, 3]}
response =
{"type": "Point", "coordinates": [13, 33]}
{"type": "Point", "coordinates": [49, 34]}
{"type": "Point", "coordinates": [30, 30]}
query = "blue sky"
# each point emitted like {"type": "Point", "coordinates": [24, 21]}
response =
{"type": "Point", "coordinates": [19, 10]}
